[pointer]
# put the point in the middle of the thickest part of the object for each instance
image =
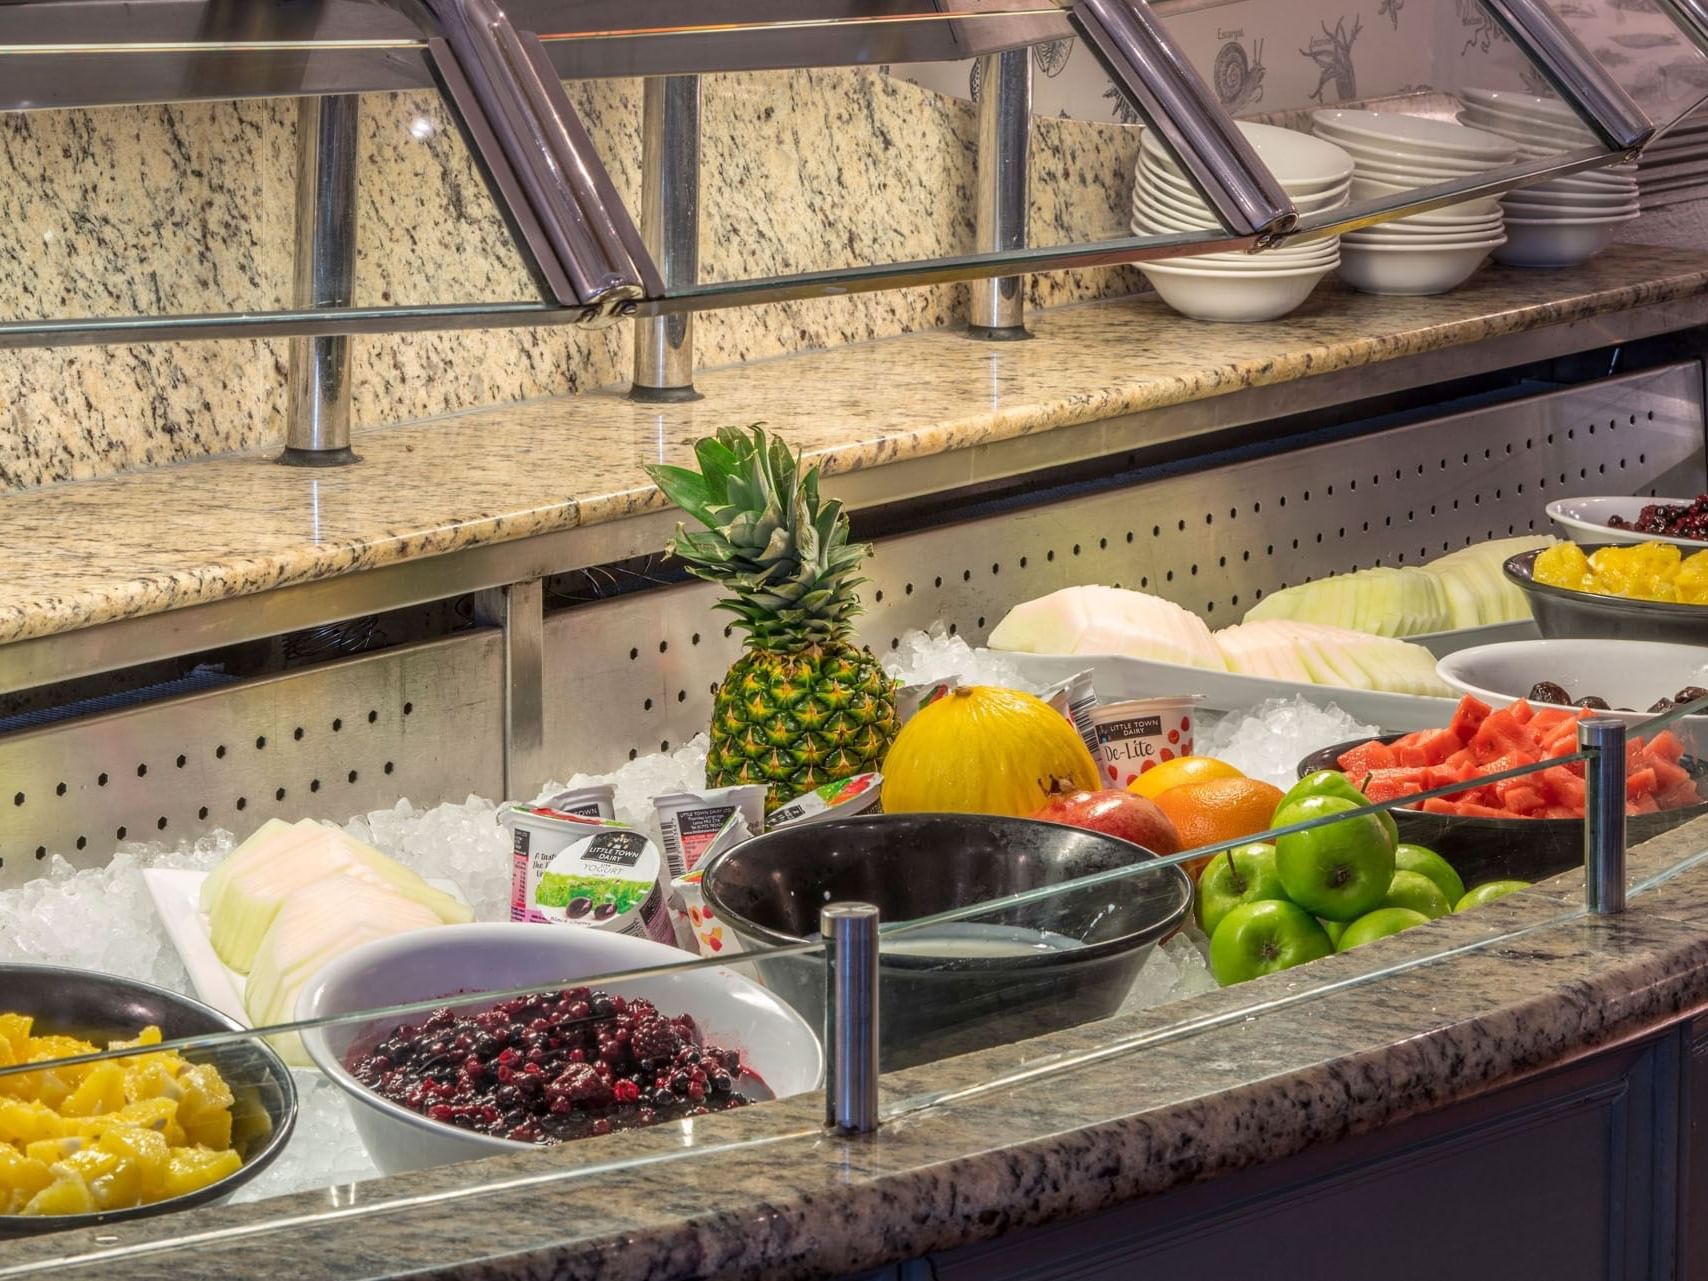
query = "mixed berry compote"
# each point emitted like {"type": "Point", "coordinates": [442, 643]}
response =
{"type": "Point", "coordinates": [1675, 520]}
{"type": "Point", "coordinates": [553, 1066]}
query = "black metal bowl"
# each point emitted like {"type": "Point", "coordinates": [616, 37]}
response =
{"type": "Point", "coordinates": [1562, 613]}
{"type": "Point", "coordinates": [1501, 849]}
{"type": "Point", "coordinates": [934, 999]}
{"type": "Point", "coordinates": [103, 1007]}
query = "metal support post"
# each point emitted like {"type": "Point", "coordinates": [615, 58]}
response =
{"type": "Point", "coordinates": [1005, 141]}
{"type": "Point", "coordinates": [850, 932]}
{"type": "Point", "coordinates": [519, 610]}
{"type": "Point", "coordinates": [1604, 814]}
{"type": "Point", "coordinates": [317, 424]}
{"type": "Point", "coordinates": [670, 229]}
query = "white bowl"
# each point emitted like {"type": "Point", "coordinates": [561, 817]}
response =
{"type": "Point", "coordinates": [1523, 213]}
{"type": "Point", "coordinates": [1328, 256]}
{"type": "Point", "coordinates": [1373, 189]}
{"type": "Point", "coordinates": [1627, 673]}
{"type": "Point", "coordinates": [1218, 296]}
{"type": "Point", "coordinates": [1491, 235]}
{"type": "Point", "coordinates": [1545, 194]}
{"type": "Point", "coordinates": [1555, 244]}
{"type": "Point", "coordinates": [1157, 181]}
{"type": "Point", "coordinates": [1300, 163]}
{"type": "Point", "coordinates": [1415, 175]}
{"type": "Point", "coordinates": [1408, 271]}
{"type": "Point", "coordinates": [1520, 105]}
{"type": "Point", "coordinates": [1366, 157]}
{"type": "Point", "coordinates": [1416, 135]}
{"type": "Point", "coordinates": [1554, 137]}
{"type": "Point", "coordinates": [1157, 221]}
{"type": "Point", "coordinates": [1584, 520]}
{"type": "Point", "coordinates": [730, 1010]}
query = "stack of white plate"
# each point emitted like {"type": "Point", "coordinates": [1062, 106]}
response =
{"type": "Point", "coordinates": [1240, 286]}
{"type": "Point", "coordinates": [1674, 168]}
{"type": "Point", "coordinates": [1564, 221]}
{"type": "Point", "coordinates": [1427, 253]}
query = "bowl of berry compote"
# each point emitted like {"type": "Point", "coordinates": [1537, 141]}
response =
{"type": "Point", "coordinates": [573, 1058]}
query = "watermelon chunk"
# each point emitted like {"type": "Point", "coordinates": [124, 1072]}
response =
{"type": "Point", "coordinates": [1547, 718]}
{"type": "Point", "coordinates": [1666, 773]}
{"type": "Point", "coordinates": [1523, 800]}
{"type": "Point", "coordinates": [1666, 745]}
{"type": "Point", "coordinates": [1499, 735]}
{"type": "Point", "coordinates": [1644, 804]}
{"type": "Point", "coordinates": [1678, 796]}
{"type": "Point", "coordinates": [1522, 712]}
{"type": "Point", "coordinates": [1470, 714]}
{"type": "Point", "coordinates": [1365, 758]}
{"type": "Point", "coordinates": [1640, 782]}
{"type": "Point", "coordinates": [1564, 788]}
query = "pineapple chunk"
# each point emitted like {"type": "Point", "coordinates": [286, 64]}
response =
{"type": "Point", "coordinates": [26, 1121]}
{"type": "Point", "coordinates": [191, 1169]}
{"type": "Point", "coordinates": [147, 1151]}
{"type": "Point", "coordinates": [205, 1108]}
{"type": "Point", "coordinates": [15, 1032]}
{"type": "Point", "coordinates": [155, 1078]}
{"type": "Point", "coordinates": [20, 1179]}
{"type": "Point", "coordinates": [67, 1194]}
{"type": "Point", "coordinates": [103, 1090]}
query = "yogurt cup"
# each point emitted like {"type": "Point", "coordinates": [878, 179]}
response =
{"type": "Point", "coordinates": [691, 821]}
{"type": "Point", "coordinates": [910, 698]}
{"type": "Point", "coordinates": [569, 870]}
{"type": "Point", "coordinates": [688, 911]}
{"type": "Point", "coordinates": [1140, 734]}
{"type": "Point", "coordinates": [844, 798]}
{"type": "Point", "coordinates": [596, 800]}
{"type": "Point", "coordinates": [1076, 699]}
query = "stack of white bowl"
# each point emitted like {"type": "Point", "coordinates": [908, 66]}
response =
{"type": "Point", "coordinates": [1674, 167]}
{"type": "Point", "coordinates": [1240, 286]}
{"type": "Point", "coordinates": [1426, 253]}
{"type": "Point", "coordinates": [1566, 220]}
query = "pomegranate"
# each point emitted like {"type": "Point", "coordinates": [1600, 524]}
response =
{"type": "Point", "coordinates": [1116, 813]}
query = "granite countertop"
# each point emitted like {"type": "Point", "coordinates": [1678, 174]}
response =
{"type": "Point", "coordinates": [82, 553]}
{"type": "Point", "coordinates": [1060, 1126]}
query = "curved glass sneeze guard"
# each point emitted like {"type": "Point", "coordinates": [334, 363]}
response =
{"type": "Point", "coordinates": [442, 1047]}
{"type": "Point", "coordinates": [1621, 75]}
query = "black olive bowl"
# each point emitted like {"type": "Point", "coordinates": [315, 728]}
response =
{"type": "Point", "coordinates": [1562, 613]}
{"type": "Point", "coordinates": [104, 1007]}
{"type": "Point", "coordinates": [934, 1004]}
{"type": "Point", "coordinates": [1508, 849]}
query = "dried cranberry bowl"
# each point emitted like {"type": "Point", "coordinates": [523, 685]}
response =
{"type": "Point", "coordinates": [738, 1042]}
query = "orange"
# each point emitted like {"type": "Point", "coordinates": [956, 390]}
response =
{"type": "Point", "coordinates": [1178, 772]}
{"type": "Point", "coordinates": [1216, 810]}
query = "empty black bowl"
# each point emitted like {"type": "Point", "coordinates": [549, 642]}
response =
{"type": "Point", "coordinates": [1508, 849]}
{"type": "Point", "coordinates": [937, 995]}
{"type": "Point", "coordinates": [1563, 613]}
{"type": "Point", "coordinates": [105, 1007]}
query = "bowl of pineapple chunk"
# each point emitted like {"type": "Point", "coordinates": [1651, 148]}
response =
{"type": "Point", "coordinates": [151, 1131]}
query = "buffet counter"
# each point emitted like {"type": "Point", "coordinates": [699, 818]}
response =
{"type": "Point", "coordinates": [1355, 1067]}
{"type": "Point", "coordinates": [1527, 1059]}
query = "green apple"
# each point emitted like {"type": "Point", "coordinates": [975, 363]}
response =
{"type": "Point", "coordinates": [1340, 870]}
{"type": "Point", "coordinates": [1245, 874]}
{"type": "Point", "coordinates": [1420, 858]}
{"type": "Point", "coordinates": [1488, 892]}
{"type": "Point", "coordinates": [1418, 892]}
{"type": "Point", "coordinates": [1379, 924]}
{"type": "Point", "coordinates": [1331, 782]}
{"type": "Point", "coordinates": [1334, 929]}
{"type": "Point", "coordinates": [1262, 937]}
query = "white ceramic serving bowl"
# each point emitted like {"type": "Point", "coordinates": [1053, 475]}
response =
{"type": "Point", "coordinates": [1444, 220]}
{"type": "Point", "coordinates": [1556, 244]}
{"type": "Point", "coordinates": [1627, 673]}
{"type": "Point", "coordinates": [1290, 258]}
{"type": "Point", "coordinates": [1589, 202]}
{"type": "Point", "coordinates": [1372, 189]}
{"type": "Point", "coordinates": [1154, 181]}
{"type": "Point", "coordinates": [1411, 135]}
{"type": "Point", "coordinates": [730, 1010]}
{"type": "Point", "coordinates": [1409, 270]}
{"type": "Point", "coordinates": [1299, 162]}
{"type": "Point", "coordinates": [1206, 294]}
{"type": "Point", "coordinates": [1520, 105]}
{"type": "Point", "coordinates": [1399, 234]}
{"type": "Point", "coordinates": [1584, 520]}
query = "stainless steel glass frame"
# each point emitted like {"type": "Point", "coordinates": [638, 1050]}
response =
{"type": "Point", "coordinates": [500, 68]}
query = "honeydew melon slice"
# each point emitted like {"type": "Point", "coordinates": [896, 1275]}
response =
{"type": "Point", "coordinates": [312, 926]}
{"type": "Point", "coordinates": [215, 882]}
{"type": "Point", "coordinates": [1107, 620]}
{"type": "Point", "coordinates": [1253, 649]}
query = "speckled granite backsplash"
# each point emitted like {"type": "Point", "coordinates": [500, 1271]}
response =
{"type": "Point", "coordinates": [189, 208]}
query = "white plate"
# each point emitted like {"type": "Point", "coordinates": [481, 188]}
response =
{"type": "Point", "coordinates": [177, 898]}
{"type": "Point", "coordinates": [1628, 673]}
{"type": "Point", "coordinates": [1584, 520]}
{"type": "Point", "coordinates": [1442, 644]}
{"type": "Point", "coordinates": [1117, 678]}
{"type": "Point", "coordinates": [1415, 134]}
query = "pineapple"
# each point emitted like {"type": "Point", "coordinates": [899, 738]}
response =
{"type": "Point", "coordinates": [805, 704]}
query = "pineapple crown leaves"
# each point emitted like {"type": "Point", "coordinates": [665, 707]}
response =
{"type": "Point", "coordinates": [780, 549]}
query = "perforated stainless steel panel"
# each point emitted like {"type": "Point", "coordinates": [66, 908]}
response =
{"type": "Point", "coordinates": [423, 721]}
{"type": "Point", "coordinates": [634, 675]}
